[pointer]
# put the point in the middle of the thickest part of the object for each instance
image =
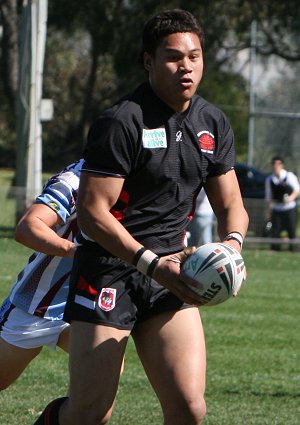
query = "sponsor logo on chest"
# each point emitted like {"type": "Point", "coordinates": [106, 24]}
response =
{"type": "Point", "coordinates": [155, 138]}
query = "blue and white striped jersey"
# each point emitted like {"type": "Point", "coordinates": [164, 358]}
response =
{"type": "Point", "coordinates": [42, 286]}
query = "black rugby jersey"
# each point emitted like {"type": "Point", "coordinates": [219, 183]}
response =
{"type": "Point", "coordinates": [164, 158]}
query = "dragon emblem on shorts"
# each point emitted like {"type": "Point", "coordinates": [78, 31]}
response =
{"type": "Point", "coordinates": [107, 299]}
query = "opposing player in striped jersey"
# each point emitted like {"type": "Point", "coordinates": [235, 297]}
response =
{"type": "Point", "coordinates": [31, 315]}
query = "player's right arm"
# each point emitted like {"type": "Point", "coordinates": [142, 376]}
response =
{"type": "Point", "coordinates": [96, 197]}
{"type": "Point", "coordinates": [35, 230]}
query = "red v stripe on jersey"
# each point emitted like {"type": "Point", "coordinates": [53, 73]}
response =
{"type": "Point", "coordinates": [124, 196]}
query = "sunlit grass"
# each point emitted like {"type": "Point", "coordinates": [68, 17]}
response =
{"type": "Point", "coordinates": [253, 351]}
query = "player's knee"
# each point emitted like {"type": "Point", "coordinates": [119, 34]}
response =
{"type": "Point", "coordinates": [199, 411]}
{"type": "Point", "coordinates": [191, 412]}
{"type": "Point", "coordinates": [196, 410]}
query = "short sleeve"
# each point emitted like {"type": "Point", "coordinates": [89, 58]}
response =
{"type": "Point", "coordinates": [110, 148]}
{"type": "Point", "coordinates": [60, 193]}
{"type": "Point", "coordinates": [225, 155]}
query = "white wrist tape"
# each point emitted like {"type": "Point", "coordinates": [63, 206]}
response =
{"type": "Point", "coordinates": [145, 260]}
{"type": "Point", "coordinates": [235, 236]}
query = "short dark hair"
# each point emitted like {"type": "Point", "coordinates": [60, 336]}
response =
{"type": "Point", "coordinates": [165, 23]}
{"type": "Point", "coordinates": [277, 158]}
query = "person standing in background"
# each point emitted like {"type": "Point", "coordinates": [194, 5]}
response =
{"type": "Point", "coordinates": [281, 191]}
{"type": "Point", "coordinates": [202, 225]}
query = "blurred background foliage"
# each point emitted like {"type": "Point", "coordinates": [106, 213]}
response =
{"type": "Point", "coordinates": [91, 60]}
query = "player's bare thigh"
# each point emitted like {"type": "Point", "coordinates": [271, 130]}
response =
{"type": "Point", "coordinates": [96, 356]}
{"type": "Point", "coordinates": [13, 361]}
{"type": "Point", "coordinates": [172, 349]}
{"type": "Point", "coordinates": [64, 339]}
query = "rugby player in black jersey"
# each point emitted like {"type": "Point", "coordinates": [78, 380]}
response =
{"type": "Point", "coordinates": [146, 159]}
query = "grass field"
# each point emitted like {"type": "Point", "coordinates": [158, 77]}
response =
{"type": "Point", "coordinates": [253, 351]}
{"type": "Point", "coordinates": [8, 201]}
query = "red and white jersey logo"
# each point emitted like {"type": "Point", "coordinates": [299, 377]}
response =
{"type": "Point", "coordinates": [206, 141]}
{"type": "Point", "coordinates": [107, 299]}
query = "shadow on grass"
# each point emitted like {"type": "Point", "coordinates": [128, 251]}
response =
{"type": "Point", "coordinates": [6, 231]}
{"type": "Point", "coordinates": [275, 394]}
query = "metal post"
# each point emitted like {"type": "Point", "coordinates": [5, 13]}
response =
{"type": "Point", "coordinates": [38, 39]}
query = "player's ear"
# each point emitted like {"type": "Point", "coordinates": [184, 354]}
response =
{"type": "Point", "coordinates": [147, 61]}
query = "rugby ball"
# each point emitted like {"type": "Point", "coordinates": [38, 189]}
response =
{"type": "Point", "coordinates": [218, 270]}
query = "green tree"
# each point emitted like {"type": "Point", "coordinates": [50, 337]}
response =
{"type": "Point", "coordinates": [91, 59]}
{"type": "Point", "coordinates": [9, 62]}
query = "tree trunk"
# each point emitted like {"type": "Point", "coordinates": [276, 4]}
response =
{"type": "Point", "coordinates": [10, 50]}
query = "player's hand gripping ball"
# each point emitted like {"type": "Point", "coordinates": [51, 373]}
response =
{"type": "Point", "coordinates": [219, 271]}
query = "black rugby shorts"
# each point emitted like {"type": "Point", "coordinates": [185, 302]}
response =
{"type": "Point", "coordinates": [106, 290]}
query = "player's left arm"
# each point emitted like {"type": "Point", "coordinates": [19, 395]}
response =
{"type": "Point", "coordinates": [224, 194]}
{"type": "Point", "coordinates": [35, 230]}
{"type": "Point", "coordinates": [293, 196]}
{"type": "Point", "coordinates": [296, 188]}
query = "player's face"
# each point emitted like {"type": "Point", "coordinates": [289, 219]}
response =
{"type": "Point", "coordinates": [277, 167]}
{"type": "Point", "coordinates": [176, 69]}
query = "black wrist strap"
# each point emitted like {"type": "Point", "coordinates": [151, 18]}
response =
{"type": "Point", "coordinates": [232, 238]}
{"type": "Point", "coordinates": [138, 255]}
{"type": "Point", "coordinates": [152, 266]}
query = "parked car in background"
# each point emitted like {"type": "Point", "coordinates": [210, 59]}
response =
{"type": "Point", "coordinates": [251, 181]}
{"type": "Point", "coordinates": [252, 186]}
